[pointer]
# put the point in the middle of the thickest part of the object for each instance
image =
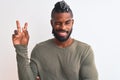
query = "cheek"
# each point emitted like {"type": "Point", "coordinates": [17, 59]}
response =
{"type": "Point", "coordinates": [69, 28]}
{"type": "Point", "coordinates": [56, 26]}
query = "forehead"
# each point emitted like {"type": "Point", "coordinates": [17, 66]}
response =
{"type": "Point", "coordinates": [61, 16]}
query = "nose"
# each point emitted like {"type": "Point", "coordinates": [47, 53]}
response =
{"type": "Point", "coordinates": [62, 26]}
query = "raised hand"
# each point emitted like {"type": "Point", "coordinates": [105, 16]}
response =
{"type": "Point", "coordinates": [20, 36]}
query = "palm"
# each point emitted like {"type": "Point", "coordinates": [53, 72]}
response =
{"type": "Point", "coordinates": [20, 37]}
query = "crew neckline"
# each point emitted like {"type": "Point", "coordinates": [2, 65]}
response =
{"type": "Point", "coordinates": [54, 44]}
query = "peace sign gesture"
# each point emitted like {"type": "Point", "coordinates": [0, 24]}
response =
{"type": "Point", "coordinates": [20, 36]}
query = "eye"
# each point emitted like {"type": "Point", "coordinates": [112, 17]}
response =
{"type": "Point", "coordinates": [67, 22]}
{"type": "Point", "coordinates": [57, 23]}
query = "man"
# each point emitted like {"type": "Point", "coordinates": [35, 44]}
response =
{"type": "Point", "coordinates": [60, 58]}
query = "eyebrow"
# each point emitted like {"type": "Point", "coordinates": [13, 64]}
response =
{"type": "Point", "coordinates": [69, 20]}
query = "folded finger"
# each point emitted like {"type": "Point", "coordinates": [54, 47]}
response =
{"type": "Point", "coordinates": [15, 32]}
{"type": "Point", "coordinates": [25, 33]}
{"type": "Point", "coordinates": [13, 36]}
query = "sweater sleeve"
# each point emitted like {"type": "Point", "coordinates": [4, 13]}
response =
{"type": "Point", "coordinates": [25, 71]}
{"type": "Point", "coordinates": [88, 69]}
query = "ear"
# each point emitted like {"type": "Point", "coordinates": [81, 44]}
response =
{"type": "Point", "coordinates": [51, 22]}
{"type": "Point", "coordinates": [72, 21]}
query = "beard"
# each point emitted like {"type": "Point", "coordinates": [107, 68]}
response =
{"type": "Point", "coordinates": [61, 38]}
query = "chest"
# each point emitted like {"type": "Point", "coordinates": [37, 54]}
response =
{"type": "Point", "coordinates": [60, 62]}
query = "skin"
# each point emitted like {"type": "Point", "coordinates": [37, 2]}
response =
{"type": "Point", "coordinates": [20, 36]}
{"type": "Point", "coordinates": [60, 21]}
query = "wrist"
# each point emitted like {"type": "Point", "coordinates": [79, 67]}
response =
{"type": "Point", "coordinates": [21, 48]}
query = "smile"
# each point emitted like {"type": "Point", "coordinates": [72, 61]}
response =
{"type": "Point", "coordinates": [62, 33]}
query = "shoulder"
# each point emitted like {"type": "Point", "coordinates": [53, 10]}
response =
{"type": "Point", "coordinates": [82, 45]}
{"type": "Point", "coordinates": [43, 44]}
{"type": "Point", "coordinates": [83, 48]}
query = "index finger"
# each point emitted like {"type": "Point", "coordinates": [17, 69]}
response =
{"type": "Point", "coordinates": [18, 26]}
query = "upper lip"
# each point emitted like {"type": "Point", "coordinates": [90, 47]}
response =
{"type": "Point", "coordinates": [62, 31]}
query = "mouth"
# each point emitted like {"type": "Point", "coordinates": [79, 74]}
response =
{"type": "Point", "coordinates": [62, 33]}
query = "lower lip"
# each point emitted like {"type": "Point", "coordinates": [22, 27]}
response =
{"type": "Point", "coordinates": [62, 34]}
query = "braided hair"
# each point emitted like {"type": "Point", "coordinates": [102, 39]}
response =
{"type": "Point", "coordinates": [61, 7]}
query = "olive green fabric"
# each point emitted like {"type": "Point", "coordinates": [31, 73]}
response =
{"type": "Point", "coordinates": [50, 62]}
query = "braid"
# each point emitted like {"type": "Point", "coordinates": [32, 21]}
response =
{"type": "Point", "coordinates": [61, 7]}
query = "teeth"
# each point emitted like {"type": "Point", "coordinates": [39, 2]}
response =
{"type": "Point", "coordinates": [62, 33]}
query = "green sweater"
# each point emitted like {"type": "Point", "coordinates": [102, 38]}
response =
{"type": "Point", "coordinates": [75, 62]}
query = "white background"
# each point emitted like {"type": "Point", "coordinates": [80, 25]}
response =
{"type": "Point", "coordinates": [97, 22]}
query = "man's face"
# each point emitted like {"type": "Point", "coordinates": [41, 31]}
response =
{"type": "Point", "coordinates": [62, 26]}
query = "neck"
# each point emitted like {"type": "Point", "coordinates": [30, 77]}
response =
{"type": "Point", "coordinates": [63, 44]}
